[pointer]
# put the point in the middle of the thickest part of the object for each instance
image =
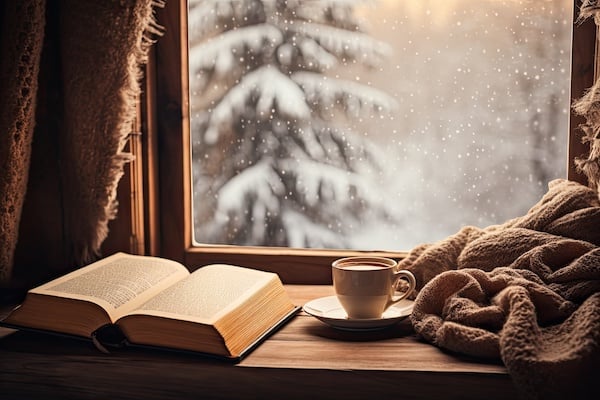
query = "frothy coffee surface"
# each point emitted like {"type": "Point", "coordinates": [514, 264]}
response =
{"type": "Point", "coordinates": [362, 267]}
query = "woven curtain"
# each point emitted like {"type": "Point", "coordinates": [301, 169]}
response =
{"type": "Point", "coordinates": [70, 73]}
{"type": "Point", "coordinates": [589, 107]}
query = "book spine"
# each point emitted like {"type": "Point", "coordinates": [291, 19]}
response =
{"type": "Point", "coordinates": [107, 337]}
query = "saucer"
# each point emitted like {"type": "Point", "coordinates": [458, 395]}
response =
{"type": "Point", "coordinates": [330, 311]}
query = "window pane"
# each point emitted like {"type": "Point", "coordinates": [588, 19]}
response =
{"type": "Point", "coordinates": [373, 125]}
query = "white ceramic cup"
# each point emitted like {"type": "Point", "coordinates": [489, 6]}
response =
{"type": "Point", "coordinates": [367, 286]}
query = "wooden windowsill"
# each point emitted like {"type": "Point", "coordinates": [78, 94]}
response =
{"type": "Point", "coordinates": [305, 359]}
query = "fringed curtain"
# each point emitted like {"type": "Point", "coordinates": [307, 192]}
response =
{"type": "Point", "coordinates": [70, 73]}
{"type": "Point", "coordinates": [589, 107]}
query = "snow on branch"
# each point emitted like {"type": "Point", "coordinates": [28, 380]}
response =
{"type": "Point", "coordinates": [310, 144]}
{"type": "Point", "coordinates": [304, 233]}
{"type": "Point", "coordinates": [315, 55]}
{"type": "Point", "coordinates": [224, 53]}
{"type": "Point", "coordinates": [321, 183]}
{"type": "Point", "coordinates": [341, 147]}
{"type": "Point", "coordinates": [259, 185]}
{"type": "Point", "coordinates": [355, 98]}
{"type": "Point", "coordinates": [305, 54]}
{"type": "Point", "coordinates": [338, 13]}
{"type": "Point", "coordinates": [344, 43]}
{"type": "Point", "coordinates": [355, 149]}
{"type": "Point", "coordinates": [266, 89]}
{"type": "Point", "coordinates": [211, 16]}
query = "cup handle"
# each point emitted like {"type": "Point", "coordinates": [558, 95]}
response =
{"type": "Point", "coordinates": [398, 279]}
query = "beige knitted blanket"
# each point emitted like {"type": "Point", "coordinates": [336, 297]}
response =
{"type": "Point", "coordinates": [526, 292]}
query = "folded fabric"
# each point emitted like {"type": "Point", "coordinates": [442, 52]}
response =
{"type": "Point", "coordinates": [526, 292]}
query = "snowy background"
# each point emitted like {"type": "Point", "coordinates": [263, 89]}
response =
{"type": "Point", "coordinates": [373, 125]}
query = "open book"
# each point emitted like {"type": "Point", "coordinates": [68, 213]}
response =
{"type": "Point", "coordinates": [219, 309]}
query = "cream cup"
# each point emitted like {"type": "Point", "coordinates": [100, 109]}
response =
{"type": "Point", "coordinates": [367, 286]}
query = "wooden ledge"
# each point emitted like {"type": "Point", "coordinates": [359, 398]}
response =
{"type": "Point", "coordinates": [308, 343]}
{"type": "Point", "coordinates": [305, 359]}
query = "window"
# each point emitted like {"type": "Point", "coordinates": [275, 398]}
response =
{"type": "Point", "coordinates": [311, 131]}
{"type": "Point", "coordinates": [171, 124]}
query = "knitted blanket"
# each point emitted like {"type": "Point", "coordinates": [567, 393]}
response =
{"type": "Point", "coordinates": [526, 292]}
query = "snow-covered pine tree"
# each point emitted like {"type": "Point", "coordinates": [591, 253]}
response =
{"type": "Point", "coordinates": [274, 162]}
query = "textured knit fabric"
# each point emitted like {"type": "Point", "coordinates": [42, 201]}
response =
{"type": "Point", "coordinates": [103, 44]}
{"type": "Point", "coordinates": [21, 34]}
{"type": "Point", "coordinates": [90, 67]}
{"type": "Point", "coordinates": [526, 292]}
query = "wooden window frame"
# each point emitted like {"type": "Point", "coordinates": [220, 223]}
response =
{"type": "Point", "coordinates": [155, 215]}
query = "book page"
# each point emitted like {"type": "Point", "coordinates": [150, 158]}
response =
{"type": "Point", "coordinates": [118, 283]}
{"type": "Point", "coordinates": [207, 294]}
